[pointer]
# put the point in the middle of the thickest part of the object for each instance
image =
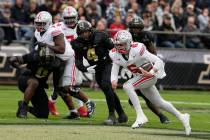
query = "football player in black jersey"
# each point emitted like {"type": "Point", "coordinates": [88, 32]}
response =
{"type": "Point", "coordinates": [94, 46]}
{"type": "Point", "coordinates": [136, 27]}
{"type": "Point", "coordinates": [32, 82]}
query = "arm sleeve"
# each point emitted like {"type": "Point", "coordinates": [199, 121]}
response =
{"type": "Point", "coordinates": [78, 58]}
{"type": "Point", "coordinates": [79, 64]}
{"type": "Point", "coordinates": [114, 72]}
{"type": "Point", "coordinates": [33, 43]}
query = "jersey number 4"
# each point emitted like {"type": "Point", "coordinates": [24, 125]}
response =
{"type": "Point", "coordinates": [91, 54]}
{"type": "Point", "coordinates": [41, 72]}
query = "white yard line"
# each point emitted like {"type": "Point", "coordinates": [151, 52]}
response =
{"type": "Point", "coordinates": [174, 102]}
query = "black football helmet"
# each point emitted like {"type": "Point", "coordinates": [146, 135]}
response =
{"type": "Point", "coordinates": [136, 23]}
{"type": "Point", "coordinates": [83, 26]}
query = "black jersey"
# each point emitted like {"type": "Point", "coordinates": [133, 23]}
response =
{"type": "Point", "coordinates": [38, 68]}
{"type": "Point", "coordinates": [95, 50]}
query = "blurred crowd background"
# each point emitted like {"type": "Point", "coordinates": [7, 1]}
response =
{"type": "Point", "coordinates": [169, 16]}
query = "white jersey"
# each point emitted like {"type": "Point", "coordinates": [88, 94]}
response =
{"type": "Point", "coordinates": [72, 75]}
{"type": "Point", "coordinates": [138, 55]}
{"type": "Point", "coordinates": [47, 38]}
{"type": "Point", "coordinates": [69, 33]}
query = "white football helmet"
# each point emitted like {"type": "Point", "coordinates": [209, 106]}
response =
{"type": "Point", "coordinates": [70, 16]}
{"type": "Point", "coordinates": [42, 21]}
{"type": "Point", "coordinates": [122, 41]}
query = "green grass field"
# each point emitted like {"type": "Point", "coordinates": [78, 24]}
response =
{"type": "Point", "coordinates": [196, 103]}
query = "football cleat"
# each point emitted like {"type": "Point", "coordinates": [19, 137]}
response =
{"type": "Point", "coordinates": [112, 120]}
{"type": "Point", "coordinates": [22, 110]}
{"type": "Point", "coordinates": [72, 115]}
{"type": "Point", "coordinates": [144, 120]}
{"type": "Point", "coordinates": [52, 108]}
{"type": "Point", "coordinates": [186, 123]}
{"type": "Point", "coordinates": [90, 108]}
{"type": "Point", "coordinates": [137, 124]}
{"type": "Point", "coordinates": [123, 118]}
{"type": "Point", "coordinates": [164, 119]}
{"type": "Point", "coordinates": [82, 111]}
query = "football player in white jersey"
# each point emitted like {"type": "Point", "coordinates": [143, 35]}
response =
{"type": "Point", "coordinates": [132, 55]}
{"type": "Point", "coordinates": [68, 26]}
{"type": "Point", "coordinates": [52, 38]}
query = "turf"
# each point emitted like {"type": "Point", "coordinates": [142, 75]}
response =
{"type": "Point", "coordinates": [196, 103]}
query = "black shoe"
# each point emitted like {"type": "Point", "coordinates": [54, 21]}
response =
{"type": "Point", "coordinates": [112, 120]}
{"type": "Point", "coordinates": [72, 115]}
{"type": "Point", "coordinates": [90, 108]}
{"type": "Point", "coordinates": [22, 110]}
{"type": "Point", "coordinates": [123, 118]}
{"type": "Point", "coordinates": [164, 119]}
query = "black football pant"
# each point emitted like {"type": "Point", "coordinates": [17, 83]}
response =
{"type": "Point", "coordinates": [39, 101]}
{"type": "Point", "coordinates": [103, 74]}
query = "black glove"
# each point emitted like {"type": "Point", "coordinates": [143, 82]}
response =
{"type": "Point", "coordinates": [41, 44]}
{"type": "Point", "coordinates": [15, 61]}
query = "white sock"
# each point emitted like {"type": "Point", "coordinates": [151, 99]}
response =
{"type": "Point", "coordinates": [153, 95]}
{"type": "Point", "coordinates": [73, 110]}
{"type": "Point", "coordinates": [134, 99]}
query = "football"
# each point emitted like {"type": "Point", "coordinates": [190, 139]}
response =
{"type": "Point", "coordinates": [147, 66]}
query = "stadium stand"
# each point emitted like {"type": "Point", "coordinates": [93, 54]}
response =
{"type": "Point", "coordinates": [15, 13]}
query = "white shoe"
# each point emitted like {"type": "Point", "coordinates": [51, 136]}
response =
{"type": "Point", "coordinates": [144, 119]}
{"type": "Point", "coordinates": [137, 124]}
{"type": "Point", "coordinates": [186, 123]}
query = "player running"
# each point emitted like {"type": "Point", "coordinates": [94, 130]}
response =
{"type": "Point", "coordinates": [133, 55]}
{"type": "Point", "coordinates": [68, 26]}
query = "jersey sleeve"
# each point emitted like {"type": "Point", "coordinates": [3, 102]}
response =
{"type": "Point", "coordinates": [55, 30]}
{"type": "Point", "coordinates": [78, 56]}
{"type": "Point", "coordinates": [111, 53]}
{"type": "Point", "coordinates": [115, 72]}
{"type": "Point", "coordinates": [115, 66]}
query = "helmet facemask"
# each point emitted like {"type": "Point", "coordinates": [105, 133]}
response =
{"type": "Point", "coordinates": [70, 22]}
{"type": "Point", "coordinates": [84, 29]}
{"type": "Point", "coordinates": [40, 26]}
{"type": "Point", "coordinates": [136, 26]}
{"type": "Point", "coordinates": [122, 48]}
{"type": "Point", "coordinates": [134, 31]}
{"type": "Point", "coordinates": [70, 17]}
{"type": "Point", "coordinates": [42, 21]}
{"type": "Point", "coordinates": [122, 41]}
{"type": "Point", "coordinates": [85, 35]}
